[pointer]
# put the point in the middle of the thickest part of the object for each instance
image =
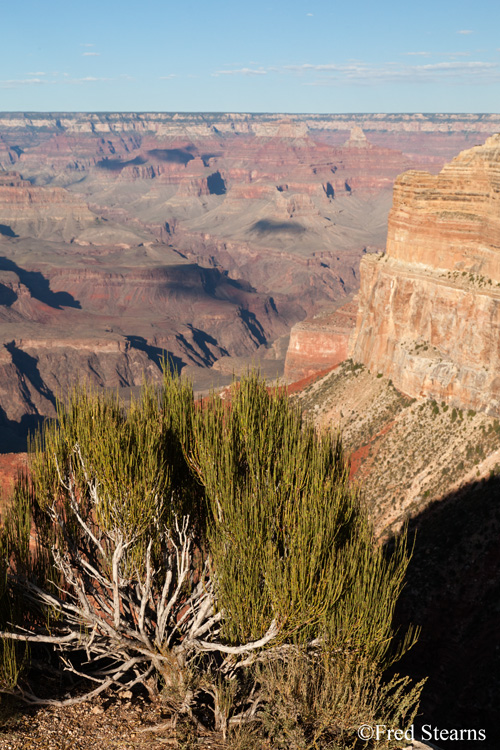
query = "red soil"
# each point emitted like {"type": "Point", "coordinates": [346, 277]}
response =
{"type": "Point", "coordinates": [300, 384]}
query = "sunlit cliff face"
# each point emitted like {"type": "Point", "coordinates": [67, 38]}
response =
{"type": "Point", "coordinates": [429, 314]}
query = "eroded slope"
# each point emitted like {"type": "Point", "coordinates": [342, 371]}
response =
{"type": "Point", "coordinates": [404, 452]}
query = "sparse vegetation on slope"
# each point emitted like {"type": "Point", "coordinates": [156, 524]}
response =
{"type": "Point", "coordinates": [405, 452]}
{"type": "Point", "coordinates": [351, 400]}
{"type": "Point", "coordinates": [215, 551]}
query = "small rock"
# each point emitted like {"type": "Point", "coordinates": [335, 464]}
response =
{"type": "Point", "coordinates": [97, 710]}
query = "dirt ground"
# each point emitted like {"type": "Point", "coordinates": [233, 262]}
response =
{"type": "Point", "coordinates": [111, 724]}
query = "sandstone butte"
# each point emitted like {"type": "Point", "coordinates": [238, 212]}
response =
{"type": "Point", "coordinates": [429, 309]}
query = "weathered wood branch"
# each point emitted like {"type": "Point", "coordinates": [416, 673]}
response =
{"type": "Point", "coordinates": [133, 623]}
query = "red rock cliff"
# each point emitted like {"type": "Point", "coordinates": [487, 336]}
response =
{"type": "Point", "coordinates": [320, 343]}
{"type": "Point", "coordinates": [429, 311]}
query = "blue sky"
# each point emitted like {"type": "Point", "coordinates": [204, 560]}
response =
{"type": "Point", "coordinates": [261, 56]}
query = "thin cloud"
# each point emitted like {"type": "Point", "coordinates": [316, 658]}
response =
{"type": "Point", "coordinates": [459, 66]}
{"type": "Point", "coordinates": [309, 14]}
{"type": "Point", "coordinates": [91, 54]}
{"type": "Point", "coordinates": [88, 79]}
{"type": "Point", "coordinates": [465, 31]}
{"type": "Point", "coordinates": [449, 55]}
{"type": "Point", "coordinates": [306, 67]}
{"type": "Point", "coordinates": [241, 72]}
{"type": "Point", "coordinates": [463, 72]}
{"type": "Point", "coordinates": [87, 44]}
{"type": "Point", "coordinates": [16, 83]}
{"type": "Point", "coordinates": [38, 73]}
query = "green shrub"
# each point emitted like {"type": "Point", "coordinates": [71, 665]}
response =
{"type": "Point", "coordinates": [208, 543]}
{"type": "Point", "coordinates": [319, 700]}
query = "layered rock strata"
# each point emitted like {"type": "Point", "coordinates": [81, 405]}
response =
{"type": "Point", "coordinates": [208, 124]}
{"type": "Point", "coordinates": [429, 310]}
{"type": "Point", "coordinates": [320, 343]}
{"type": "Point", "coordinates": [40, 211]}
{"type": "Point", "coordinates": [205, 236]}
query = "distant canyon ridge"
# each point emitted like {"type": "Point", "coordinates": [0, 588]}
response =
{"type": "Point", "coordinates": [205, 238]}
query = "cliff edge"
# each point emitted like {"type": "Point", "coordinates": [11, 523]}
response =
{"type": "Point", "coordinates": [429, 309]}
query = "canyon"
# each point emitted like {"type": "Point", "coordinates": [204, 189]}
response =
{"type": "Point", "coordinates": [429, 309]}
{"type": "Point", "coordinates": [414, 356]}
{"type": "Point", "coordinates": [200, 238]}
{"type": "Point", "coordinates": [220, 241]}
{"type": "Point", "coordinates": [416, 402]}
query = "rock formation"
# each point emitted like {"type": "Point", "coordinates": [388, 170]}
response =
{"type": "Point", "coordinates": [43, 212]}
{"type": "Point", "coordinates": [429, 309]}
{"type": "Point", "coordinates": [207, 236]}
{"type": "Point", "coordinates": [320, 343]}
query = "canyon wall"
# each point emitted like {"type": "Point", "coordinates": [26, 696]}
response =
{"type": "Point", "coordinates": [241, 123]}
{"type": "Point", "coordinates": [202, 236]}
{"type": "Point", "coordinates": [429, 309]}
{"type": "Point", "coordinates": [320, 343]}
{"type": "Point", "coordinates": [42, 212]}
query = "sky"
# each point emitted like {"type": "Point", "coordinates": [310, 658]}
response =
{"type": "Point", "coordinates": [325, 56]}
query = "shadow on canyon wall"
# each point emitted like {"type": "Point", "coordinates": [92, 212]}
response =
{"type": "Point", "coordinates": [116, 165]}
{"type": "Point", "coordinates": [269, 226]}
{"type": "Point", "coordinates": [172, 155]}
{"type": "Point", "coordinates": [157, 355]}
{"type": "Point", "coordinates": [39, 286]}
{"type": "Point", "coordinates": [7, 231]}
{"type": "Point", "coordinates": [453, 594]}
{"type": "Point", "coordinates": [7, 296]}
{"type": "Point", "coordinates": [216, 184]}
{"type": "Point", "coordinates": [14, 435]}
{"type": "Point", "coordinates": [28, 366]}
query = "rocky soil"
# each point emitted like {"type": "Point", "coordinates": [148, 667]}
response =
{"type": "Point", "coordinates": [129, 723]}
{"type": "Point", "coordinates": [404, 452]}
{"type": "Point", "coordinates": [118, 725]}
